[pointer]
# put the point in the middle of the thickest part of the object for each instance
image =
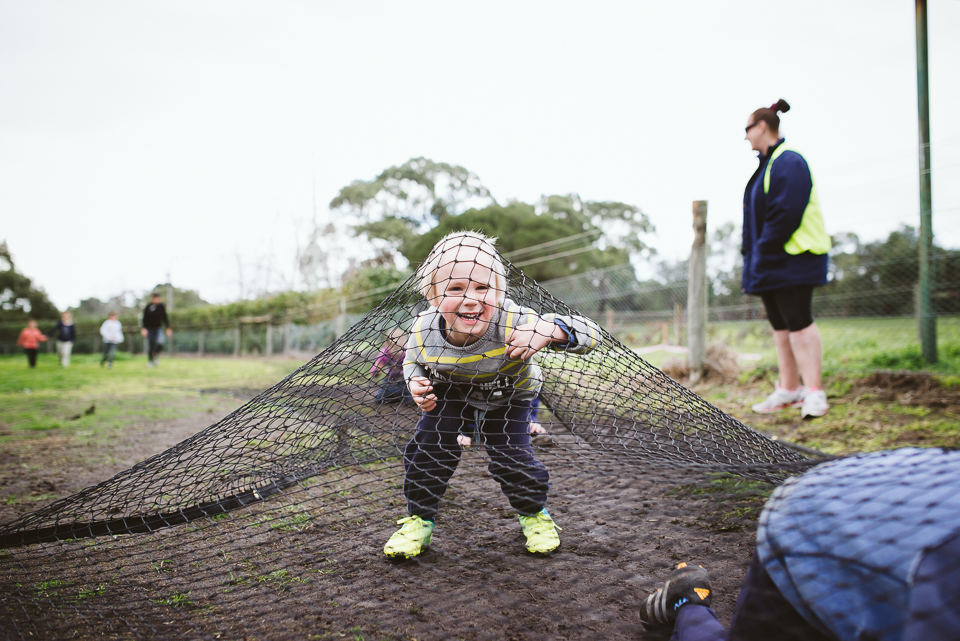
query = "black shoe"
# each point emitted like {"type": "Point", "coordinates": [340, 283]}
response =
{"type": "Point", "coordinates": [687, 584]}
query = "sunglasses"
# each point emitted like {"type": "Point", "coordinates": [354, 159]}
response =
{"type": "Point", "coordinates": [752, 125]}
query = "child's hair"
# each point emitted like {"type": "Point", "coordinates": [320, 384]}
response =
{"type": "Point", "coordinates": [451, 243]}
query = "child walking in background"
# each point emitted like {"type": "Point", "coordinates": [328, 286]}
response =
{"type": "Point", "coordinates": [112, 333]}
{"type": "Point", "coordinates": [468, 360]}
{"type": "Point", "coordinates": [390, 362]}
{"type": "Point", "coordinates": [30, 339]}
{"type": "Point", "coordinates": [66, 333]}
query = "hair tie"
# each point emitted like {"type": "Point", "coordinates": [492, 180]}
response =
{"type": "Point", "coordinates": [775, 107]}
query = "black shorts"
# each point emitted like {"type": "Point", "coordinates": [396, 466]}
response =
{"type": "Point", "coordinates": [789, 307]}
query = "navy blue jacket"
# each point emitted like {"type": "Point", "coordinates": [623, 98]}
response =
{"type": "Point", "coordinates": [868, 547]}
{"type": "Point", "coordinates": [64, 333]}
{"type": "Point", "coordinates": [769, 220]}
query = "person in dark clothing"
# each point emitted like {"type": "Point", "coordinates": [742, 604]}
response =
{"type": "Point", "coordinates": [66, 334]}
{"type": "Point", "coordinates": [153, 323]}
{"type": "Point", "coordinates": [866, 547]}
{"type": "Point", "coordinates": [785, 247]}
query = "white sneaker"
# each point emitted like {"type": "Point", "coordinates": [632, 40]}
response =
{"type": "Point", "coordinates": [814, 404]}
{"type": "Point", "coordinates": [149, 364]}
{"type": "Point", "coordinates": [780, 399]}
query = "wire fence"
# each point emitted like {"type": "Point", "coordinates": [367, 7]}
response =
{"type": "Point", "coordinates": [868, 308]}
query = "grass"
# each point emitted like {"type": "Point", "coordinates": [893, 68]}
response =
{"type": "Point", "coordinates": [48, 398]}
{"type": "Point", "coordinates": [855, 346]}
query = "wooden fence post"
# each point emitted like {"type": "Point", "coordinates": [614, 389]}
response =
{"type": "Point", "coordinates": [677, 323]}
{"type": "Point", "coordinates": [342, 320]}
{"type": "Point", "coordinates": [269, 349]}
{"type": "Point", "coordinates": [697, 294]}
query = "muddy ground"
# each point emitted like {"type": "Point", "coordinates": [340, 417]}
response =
{"type": "Point", "coordinates": [300, 566]}
{"type": "Point", "coordinates": [304, 566]}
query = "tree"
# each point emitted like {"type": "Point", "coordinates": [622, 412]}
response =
{"type": "Point", "coordinates": [566, 233]}
{"type": "Point", "coordinates": [409, 199]}
{"type": "Point", "coordinates": [19, 299]}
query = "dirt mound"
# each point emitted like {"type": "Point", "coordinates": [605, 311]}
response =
{"type": "Point", "coordinates": [909, 388]}
{"type": "Point", "coordinates": [720, 366]}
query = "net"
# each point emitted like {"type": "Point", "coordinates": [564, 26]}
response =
{"type": "Point", "coordinates": [271, 523]}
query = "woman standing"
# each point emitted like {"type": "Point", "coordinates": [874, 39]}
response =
{"type": "Point", "coordinates": [785, 256]}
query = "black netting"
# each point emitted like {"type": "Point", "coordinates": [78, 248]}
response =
{"type": "Point", "coordinates": [271, 523]}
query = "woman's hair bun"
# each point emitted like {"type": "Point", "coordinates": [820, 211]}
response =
{"type": "Point", "coordinates": [781, 105]}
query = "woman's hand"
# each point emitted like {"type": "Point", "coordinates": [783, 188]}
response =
{"type": "Point", "coordinates": [528, 339]}
{"type": "Point", "coordinates": [420, 389]}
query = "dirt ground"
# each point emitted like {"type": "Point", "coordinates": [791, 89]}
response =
{"type": "Point", "coordinates": [285, 569]}
{"type": "Point", "coordinates": [308, 563]}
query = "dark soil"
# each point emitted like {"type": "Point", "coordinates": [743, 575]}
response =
{"type": "Point", "coordinates": [910, 388]}
{"type": "Point", "coordinates": [304, 567]}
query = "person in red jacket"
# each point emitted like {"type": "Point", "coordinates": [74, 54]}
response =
{"type": "Point", "coordinates": [30, 339]}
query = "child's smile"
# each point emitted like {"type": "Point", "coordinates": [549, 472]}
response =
{"type": "Point", "coordinates": [465, 297]}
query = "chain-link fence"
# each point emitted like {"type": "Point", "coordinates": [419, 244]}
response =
{"type": "Point", "coordinates": [866, 314]}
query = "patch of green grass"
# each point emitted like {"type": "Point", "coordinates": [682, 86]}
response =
{"type": "Point", "coordinates": [48, 398]}
{"type": "Point", "coordinates": [176, 600]}
{"type": "Point", "coordinates": [50, 588]}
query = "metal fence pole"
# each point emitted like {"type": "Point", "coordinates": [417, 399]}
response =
{"type": "Point", "coordinates": [200, 343]}
{"type": "Point", "coordinates": [236, 340]}
{"type": "Point", "coordinates": [697, 294]}
{"type": "Point", "coordinates": [925, 311]}
{"type": "Point", "coordinates": [269, 340]}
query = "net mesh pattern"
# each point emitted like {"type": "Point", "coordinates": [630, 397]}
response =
{"type": "Point", "coordinates": [271, 522]}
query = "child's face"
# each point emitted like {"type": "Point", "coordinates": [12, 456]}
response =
{"type": "Point", "coordinates": [32, 324]}
{"type": "Point", "coordinates": [465, 295]}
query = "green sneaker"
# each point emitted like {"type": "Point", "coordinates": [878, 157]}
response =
{"type": "Point", "coordinates": [411, 539]}
{"type": "Point", "coordinates": [541, 532]}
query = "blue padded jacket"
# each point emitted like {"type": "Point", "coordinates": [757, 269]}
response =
{"type": "Point", "coordinates": [865, 547]}
{"type": "Point", "coordinates": [771, 217]}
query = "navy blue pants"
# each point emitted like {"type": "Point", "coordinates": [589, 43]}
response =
{"type": "Point", "coordinates": [432, 455]}
{"type": "Point", "coordinates": [762, 614]}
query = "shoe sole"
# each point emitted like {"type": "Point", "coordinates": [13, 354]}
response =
{"type": "Point", "coordinates": [400, 556]}
{"type": "Point", "coordinates": [810, 417]}
{"type": "Point", "coordinates": [778, 409]}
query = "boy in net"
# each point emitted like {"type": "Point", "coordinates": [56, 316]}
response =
{"type": "Point", "coordinates": [468, 361]}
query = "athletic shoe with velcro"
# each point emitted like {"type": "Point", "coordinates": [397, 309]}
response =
{"type": "Point", "coordinates": [685, 585]}
{"type": "Point", "coordinates": [780, 399]}
{"type": "Point", "coordinates": [410, 540]}
{"type": "Point", "coordinates": [814, 404]}
{"type": "Point", "coordinates": [541, 532]}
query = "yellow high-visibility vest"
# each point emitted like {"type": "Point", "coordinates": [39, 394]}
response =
{"type": "Point", "coordinates": [811, 235]}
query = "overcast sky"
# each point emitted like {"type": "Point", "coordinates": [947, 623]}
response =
{"type": "Point", "coordinates": [139, 139]}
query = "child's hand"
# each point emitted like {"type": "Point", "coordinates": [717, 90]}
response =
{"type": "Point", "coordinates": [420, 388]}
{"type": "Point", "coordinates": [464, 441]}
{"type": "Point", "coordinates": [536, 428]}
{"type": "Point", "coordinates": [528, 339]}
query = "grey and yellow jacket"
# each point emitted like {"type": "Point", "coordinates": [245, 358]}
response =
{"type": "Point", "coordinates": [481, 372]}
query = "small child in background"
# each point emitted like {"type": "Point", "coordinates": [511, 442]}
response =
{"type": "Point", "coordinates": [533, 427]}
{"type": "Point", "coordinates": [468, 360]}
{"type": "Point", "coordinates": [112, 333]}
{"type": "Point", "coordinates": [390, 362]}
{"type": "Point", "coordinates": [66, 333]}
{"type": "Point", "coordinates": [30, 339]}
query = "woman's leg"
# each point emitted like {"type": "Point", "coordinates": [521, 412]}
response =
{"type": "Point", "coordinates": [431, 457]}
{"type": "Point", "coordinates": [523, 479]}
{"type": "Point", "coordinates": [808, 352]}
{"type": "Point", "coordinates": [786, 360]}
